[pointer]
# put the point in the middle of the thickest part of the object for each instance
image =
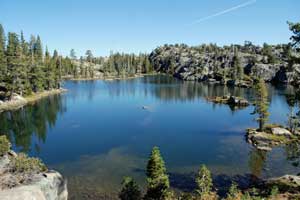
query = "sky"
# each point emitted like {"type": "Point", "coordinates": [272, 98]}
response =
{"type": "Point", "coordinates": [135, 26]}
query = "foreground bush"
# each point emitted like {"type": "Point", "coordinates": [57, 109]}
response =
{"type": "Point", "coordinates": [23, 163]}
{"type": "Point", "coordinates": [130, 190]}
{"type": "Point", "coordinates": [4, 145]}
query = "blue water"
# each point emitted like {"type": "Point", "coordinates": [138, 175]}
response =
{"type": "Point", "coordinates": [98, 132]}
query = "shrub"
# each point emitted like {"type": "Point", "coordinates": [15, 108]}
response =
{"type": "Point", "coordinates": [4, 145]}
{"type": "Point", "coordinates": [23, 163]}
{"type": "Point", "coordinates": [130, 190]}
{"type": "Point", "coordinates": [234, 193]}
{"type": "Point", "coordinates": [203, 181]}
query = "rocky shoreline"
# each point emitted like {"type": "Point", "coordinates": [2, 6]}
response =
{"type": "Point", "coordinates": [19, 101]}
{"type": "Point", "coordinates": [24, 178]}
{"type": "Point", "coordinates": [271, 137]}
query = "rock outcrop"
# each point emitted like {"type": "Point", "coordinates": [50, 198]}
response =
{"type": "Point", "coordinates": [232, 101]}
{"type": "Point", "coordinates": [216, 64]}
{"type": "Point", "coordinates": [290, 183]}
{"type": "Point", "coordinates": [48, 185]}
{"type": "Point", "coordinates": [271, 137]}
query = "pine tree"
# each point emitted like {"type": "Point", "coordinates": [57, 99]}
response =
{"type": "Point", "coordinates": [295, 38]}
{"type": "Point", "coordinates": [157, 178]}
{"type": "Point", "coordinates": [261, 104]}
{"type": "Point", "coordinates": [14, 64]}
{"type": "Point", "coordinates": [50, 72]}
{"type": "Point", "coordinates": [237, 67]}
{"type": "Point", "coordinates": [24, 45]}
{"type": "Point", "coordinates": [38, 49]}
{"type": "Point", "coordinates": [130, 190]}
{"type": "Point", "coordinates": [57, 69]}
{"type": "Point", "coordinates": [3, 66]}
{"type": "Point", "coordinates": [203, 181]}
{"type": "Point", "coordinates": [72, 54]}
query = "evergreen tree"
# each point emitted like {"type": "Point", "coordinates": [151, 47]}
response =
{"type": "Point", "coordinates": [72, 54]}
{"type": "Point", "coordinates": [49, 72]}
{"type": "Point", "coordinates": [3, 63]}
{"type": "Point", "coordinates": [38, 50]}
{"type": "Point", "coordinates": [24, 45]}
{"type": "Point", "coordinates": [130, 190]}
{"type": "Point", "coordinates": [14, 64]}
{"type": "Point", "coordinates": [157, 178]}
{"type": "Point", "coordinates": [295, 38]}
{"type": "Point", "coordinates": [203, 181]}
{"type": "Point", "coordinates": [261, 104]}
{"type": "Point", "coordinates": [89, 55]}
{"type": "Point", "coordinates": [238, 71]}
{"type": "Point", "coordinates": [267, 51]}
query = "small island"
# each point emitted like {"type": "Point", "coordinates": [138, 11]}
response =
{"type": "Point", "coordinates": [233, 101]}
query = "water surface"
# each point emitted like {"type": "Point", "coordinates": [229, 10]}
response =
{"type": "Point", "coordinates": [98, 132]}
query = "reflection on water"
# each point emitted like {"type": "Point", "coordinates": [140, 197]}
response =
{"type": "Point", "coordinates": [100, 131]}
{"type": "Point", "coordinates": [27, 127]}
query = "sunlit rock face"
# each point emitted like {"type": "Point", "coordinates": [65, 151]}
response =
{"type": "Point", "coordinates": [208, 62]}
{"type": "Point", "coordinates": [49, 185]}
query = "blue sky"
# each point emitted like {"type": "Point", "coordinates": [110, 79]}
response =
{"type": "Point", "coordinates": [140, 26]}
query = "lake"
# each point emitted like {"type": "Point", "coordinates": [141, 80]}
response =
{"type": "Point", "coordinates": [100, 131]}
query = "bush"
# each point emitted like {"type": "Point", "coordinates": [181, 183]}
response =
{"type": "Point", "coordinates": [4, 145]}
{"type": "Point", "coordinates": [23, 163]}
{"type": "Point", "coordinates": [203, 181]}
{"type": "Point", "coordinates": [130, 190]}
{"type": "Point", "coordinates": [234, 193]}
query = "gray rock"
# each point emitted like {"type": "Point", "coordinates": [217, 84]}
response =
{"type": "Point", "coordinates": [281, 131]}
{"type": "Point", "coordinates": [195, 63]}
{"type": "Point", "coordinates": [40, 186]}
{"type": "Point", "coordinates": [49, 186]}
{"type": "Point", "coordinates": [286, 182]}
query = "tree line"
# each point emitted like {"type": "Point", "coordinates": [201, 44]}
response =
{"type": "Point", "coordinates": [25, 67]}
{"type": "Point", "coordinates": [116, 64]}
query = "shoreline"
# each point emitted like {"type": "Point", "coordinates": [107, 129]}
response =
{"type": "Point", "coordinates": [110, 78]}
{"type": "Point", "coordinates": [23, 101]}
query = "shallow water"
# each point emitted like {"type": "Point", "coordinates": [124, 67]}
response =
{"type": "Point", "coordinates": [98, 132]}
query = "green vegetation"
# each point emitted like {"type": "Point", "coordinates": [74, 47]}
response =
{"type": "Point", "coordinates": [24, 66]}
{"type": "Point", "coordinates": [238, 71]}
{"type": "Point", "coordinates": [261, 104]}
{"type": "Point", "coordinates": [267, 51]}
{"type": "Point", "coordinates": [159, 187]}
{"type": "Point", "coordinates": [204, 181]}
{"type": "Point", "coordinates": [23, 163]}
{"type": "Point", "coordinates": [130, 190]}
{"type": "Point", "coordinates": [4, 145]}
{"type": "Point", "coordinates": [157, 178]}
{"type": "Point", "coordinates": [295, 38]}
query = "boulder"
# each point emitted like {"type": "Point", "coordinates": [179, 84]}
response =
{"type": "Point", "coordinates": [285, 183]}
{"type": "Point", "coordinates": [281, 131]}
{"type": "Point", "coordinates": [48, 186]}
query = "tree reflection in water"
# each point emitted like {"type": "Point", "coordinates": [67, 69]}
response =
{"type": "Point", "coordinates": [31, 121]}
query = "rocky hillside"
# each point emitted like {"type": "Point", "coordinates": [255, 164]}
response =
{"type": "Point", "coordinates": [222, 64]}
